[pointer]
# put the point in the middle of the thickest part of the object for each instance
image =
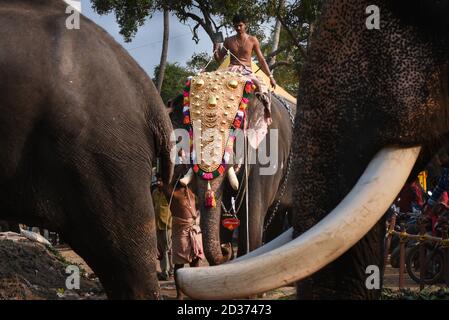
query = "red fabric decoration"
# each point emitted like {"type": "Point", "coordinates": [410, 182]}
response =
{"type": "Point", "coordinates": [210, 198]}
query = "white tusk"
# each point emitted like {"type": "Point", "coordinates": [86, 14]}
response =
{"type": "Point", "coordinates": [233, 178]}
{"type": "Point", "coordinates": [284, 238]}
{"type": "Point", "coordinates": [187, 178]}
{"type": "Point", "coordinates": [326, 241]}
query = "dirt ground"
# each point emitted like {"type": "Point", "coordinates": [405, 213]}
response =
{"type": "Point", "coordinates": [391, 279]}
{"type": "Point", "coordinates": [168, 289]}
{"type": "Point", "coordinates": [30, 271]}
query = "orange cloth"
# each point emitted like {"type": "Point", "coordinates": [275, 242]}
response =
{"type": "Point", "coordinates": [187, 242]}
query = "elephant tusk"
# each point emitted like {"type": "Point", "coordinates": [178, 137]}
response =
{"type": "Point", "coordinates": [326, 241]}
{"type": "Point", "coordinates": [273, 244]}
{"type": "Point", "coordinates": [187, 178]}
{"type": "Point", "coordinates": [233, 178]}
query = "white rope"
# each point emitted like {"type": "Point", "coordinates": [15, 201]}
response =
{"type": "Point", "coordinates": [208, 63]}
{"type": "Point", "coordinates": [246, 193]}
{"type": "Point", "coordinates": [229, 53]}
{"type": "Point", "coordinates": [170, 219]}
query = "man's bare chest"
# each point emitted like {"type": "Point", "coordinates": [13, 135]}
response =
{"type": "Point", "coordinates": [241, 49]}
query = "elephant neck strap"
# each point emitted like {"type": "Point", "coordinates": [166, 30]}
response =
{"type": "Point", "coordinates": [214, 107]}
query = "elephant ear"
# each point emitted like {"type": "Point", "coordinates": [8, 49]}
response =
{"type": "Point", "coordinates": [259, 118]}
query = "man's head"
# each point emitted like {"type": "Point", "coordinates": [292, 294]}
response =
{"type": "Point", "coordinates": [239, 22]}
{"type": "Point", "coordinates": [159, 182]}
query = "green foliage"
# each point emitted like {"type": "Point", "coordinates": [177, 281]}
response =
{"type": "Point", "coordinates": [174, 80]}
{"type": "Point", "coordinates": [211, 15]}
{"type": "Point", "coordinates": [428, 293]}
{"type": "Point", "coordinates": [298, 18]}
{"type": "Point", "coordinates": [130, 14]}
{"type": "Point", "coordinates": [287, 78]}
{"type": "Point", "coordinates": [199, 60]}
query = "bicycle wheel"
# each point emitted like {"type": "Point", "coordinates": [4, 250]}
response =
{"type": "Point", "coordinates": [434, 265]}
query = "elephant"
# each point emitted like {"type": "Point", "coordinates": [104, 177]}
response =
{"type": "Point", "coordinates": [373, 109]}
{"type": "Point", "coordinates": [81, 125]}
{"type": "Point", "coordinates": [269, 196]}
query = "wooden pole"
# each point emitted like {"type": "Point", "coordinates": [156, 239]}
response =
{"type": "Point", "coordinates": [422, 252]}
{"type": "Point", "coordinates": [388, 242]}
{"type": "Point", "coordinates": [403, 241]}
{"type": "Point", "coordinates": [445, 246]}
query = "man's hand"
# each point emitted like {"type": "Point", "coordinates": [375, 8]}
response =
{"type": "Point", "coordinates": [218, 53]}
{"type": "Point", "coordinates": [273, 82]}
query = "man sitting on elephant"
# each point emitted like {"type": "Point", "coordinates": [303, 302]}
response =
{"type": "Point", "coordinates": [241, 47]}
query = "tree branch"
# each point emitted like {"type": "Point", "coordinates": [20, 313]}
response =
{"type": "Point", "coordinates": [280, 64]}
{"type": "Point", "coordinates": [276, 52]}
{"type": "Point", "coordinates": [195, 18]}
{"type": "Point", "coordinates": [302, 52]}
{"type": "Point", "coordinates": [195, 37]}
{"type": "Point", "coordinates": [206, 26]}
{"type": "Point", "coordinates": [208, 20]}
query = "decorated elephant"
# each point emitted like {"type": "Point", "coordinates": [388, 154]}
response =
{"type": "Point", "coordinates": [81, 124]}
{"type": "Point", "coordinates": [269, 195]}
{"type": "Point", "coordinates": [373, 110]}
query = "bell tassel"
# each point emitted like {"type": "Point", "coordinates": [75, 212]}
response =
{"type": "Point", "coordinates": [210, 197]}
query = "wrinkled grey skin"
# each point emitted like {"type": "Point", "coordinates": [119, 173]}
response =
{"type": "Point", "coordinates": [263, 193]}
{"type": "Point", "coordinates": [363, 90]}
{"type": "Point", "coordinates": [265, 190]}
{"type": "Point", "coordinates": [80, 125]}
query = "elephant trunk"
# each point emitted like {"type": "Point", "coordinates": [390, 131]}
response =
{"type": "Point", "coordinates": [210, 225]}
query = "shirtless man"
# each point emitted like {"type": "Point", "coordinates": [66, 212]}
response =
{"type": "Point", "coordinates": [187, 245]}
{"type": "Point", "coordinates": [242, 46]}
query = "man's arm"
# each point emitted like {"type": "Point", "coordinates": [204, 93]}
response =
{"type": "Point", "coordinates": [219, 51]}
{"type": "Point", "coordinates": [263, 63]}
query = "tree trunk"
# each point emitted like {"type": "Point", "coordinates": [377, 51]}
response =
{"type": "Point", "coordinates": [276, 36]}
{"type": "Point", "coordinates": [162, 64]}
